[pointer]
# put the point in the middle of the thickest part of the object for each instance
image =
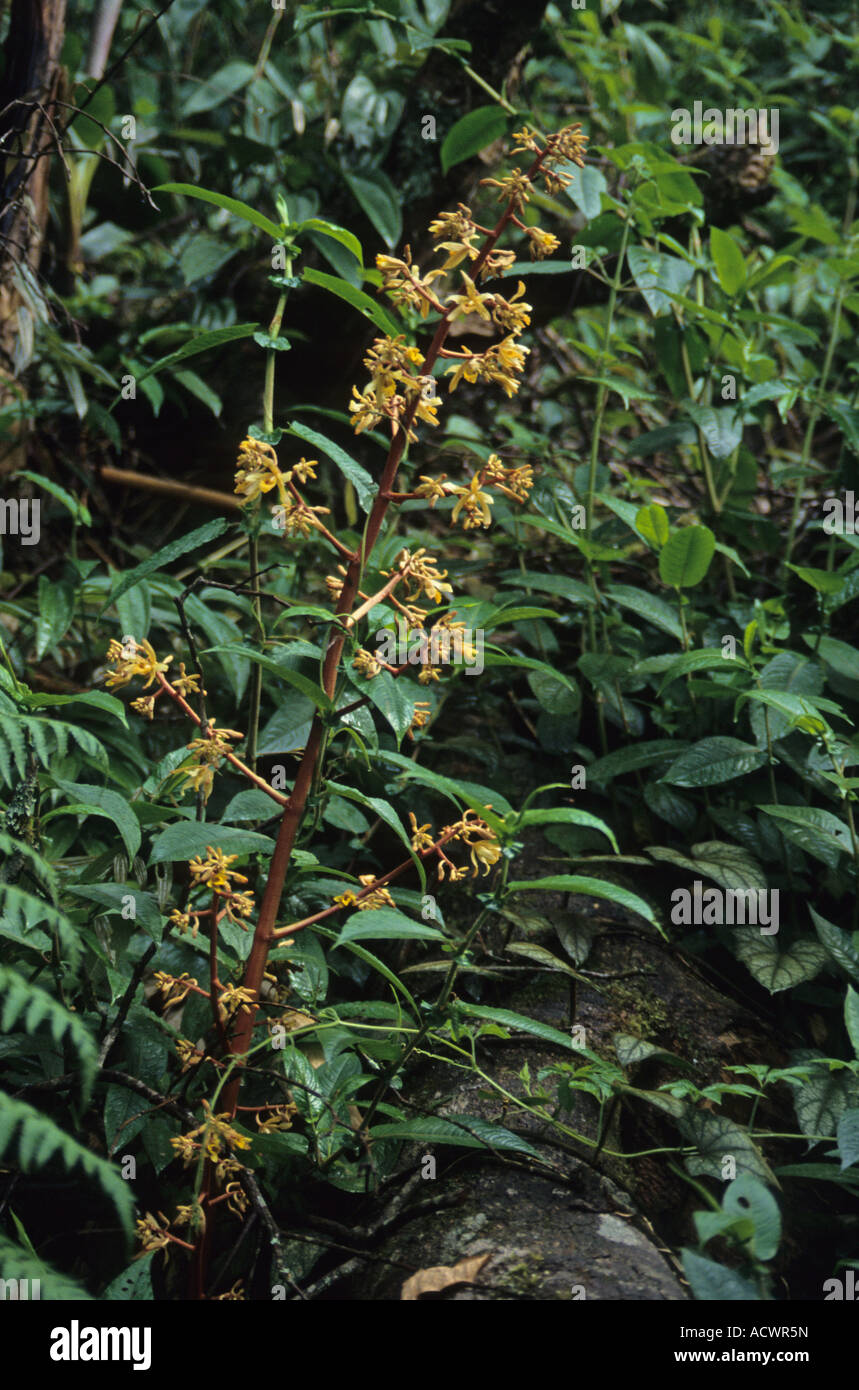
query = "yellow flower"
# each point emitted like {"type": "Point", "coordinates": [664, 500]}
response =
{"type": "Point", "coordinates": [367, 664]}
{"type": "Point", "coordinates": [304, 469]}
{"type": "Point", "coordinates": [380, 897]}
{"type": "Point", "coordinates": [131, 659]}
{"type": "Point", "coordinates": [542, 243]}
{"type": "Point", "coordinates": [420, 839]}
{"type": "Point", "coordinates": [214, 870]}
{"type": "Point", "coordinates": [145, 706]}
{"type": "Point", "coordinates": [469, 302]}
{"type": "Point", "coordinates": [257, 471]}
{"type": "Point", "coordinates": [420, 718]}
{"type": "Point", "coordinates": [475, 503]}
{"type": "Point", "coordinates": [485, 853]}
{"type": "Point", "coordinates": [511, 316]}
{"type": "Point", "coordinates": [150, 1234]}
{"type": "Point", "coordinates": [432, 488]}
{"type": "Point", "coordinates": [516, 186]}
{"type": "Point", "coordinates": [345, 899]}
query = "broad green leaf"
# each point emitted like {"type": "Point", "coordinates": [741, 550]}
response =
{"type": "Point", "coordinates": [230, 205]}
{"type": "Point", "coordinates": [728, 865]}
{"type": "Point", "coordinates": [473, 132]}
{"type": "Point", "coordinates": [594, 887]}
{"type": "Point", "coordinates": [466, 1131]}
{"type": "Point", "coordinates": [165, 556]}
{"type": "Point", "coordinates": [721, 427]}
{"type": "Point", "coordinates": [848, 1138]}
{"type": "Point", "coordinates": [712, 761]}
{"type": "Point", "coordinates": [521, 1024]}
{"type": "Point", "coordinates": [828, 835]}
{"type": "Point", "coordinates": [851, 1017]}
{"type": "Point", "coordinates": [838, 944]}
{"type": "Point", "coordinates": [380, 201]}
{"type": "Point", "coordinates": [774, 969]}
{"type": "Point", "coordinates": [376, 313]}
{"type": "Point", "coordinates": [648, 606]}
{"type": "Point", "coordinates": [385, 924]}
{"type": "Point", "coordinates": [566, 815]}
{"type": "Point", "coordinates": [685, 557]}
{"type": "Point", "coordinates": [658, 276]}
{"type": "Point", "coordinates": [728, 260]}
{"type": "Point", "coordinates": [188, 839]}
{"type": "Point", "coordinates": [201, 342]}
{"type": "Point", "coordinates": [823, 1099]}
{"type": "Point", "coordinates": [633, 758]}
{"type": "Point", "coordinates": [716, 1135]}
{"type": "Point", "coordinates": [303, 684]}
{"type": "Point", "coordinates": [365, 486]}
{"type": "Point", "coordinates": [223, 84]}
{"type": "Point", "coordinates": [330, 229]}
{"type": "Point", "coordinates": [712, 1282]}
{"type": "Point", "coordinates": [102, 801]}
{"type": "Point", "coordinates": [652, 522]}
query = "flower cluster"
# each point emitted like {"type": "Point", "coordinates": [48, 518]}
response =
{"type": "Point", "coordinates": [206, 754]}
{"type": "Point", "coordinates": [473, 503]}
{"type": "Point", "coordinates": [130, 658]}
{"type": "Point", "coordinates": [258, 472]}
{"type": "Point", "coordinates": [214, 874]}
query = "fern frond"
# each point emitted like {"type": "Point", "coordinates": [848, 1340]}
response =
{"type": "Point", "coordinates": [34, 1006]}
{"type": "Point", "coordinates": [40, 1140]}
{"type": "Point", "coordinates": [21, 912]}
{"type": "Point", "coordinates": [17, 1264]}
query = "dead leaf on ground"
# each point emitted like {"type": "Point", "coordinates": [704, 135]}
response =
{"type": "Point", "coordinates": [442, 1277]}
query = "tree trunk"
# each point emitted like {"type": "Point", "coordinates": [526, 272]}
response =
{"type": "Point", "coordinates": [28, 90]}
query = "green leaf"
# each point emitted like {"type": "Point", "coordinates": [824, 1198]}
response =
{"type": "Point", "coordinates": [658, 276]}
{"type": "Point", "coordinates": [385, 924]}
{"type": "Point", "coordinates": [394, 698]}
{"type": "Point", "coordinates": [823, 1099]}
{"type": "Point", "coordinates": [201, 342]}
{"type": "Point", "coordinates": [521, 1024]}
{"type": "Point", "coordinates": [774, 969]}
{"type": "Point", "coordinates": [230, 205]}
{"type": "Point", "coordinates": [100, 801]}
{"type": "Point", "coordinates": [848, 1138]}
{"type": "Point", "coordinates": [652, 522]}
{"type": "Point", "coordinates": [165, 556]}
{"type": "Point", "coordinates": [77, 509]}
{"type": "Point", "coordinates": [357, 298]}
{"type": "Point", "coordinates": [633, 758]}
{"type": "Point", "coordinates": [380, 201]}
{"type": "Point", "coordinates": [722, 428]}
{"type": "Point", "coordinates": [556, 694]}
{"type": "Point", "coordinates": [685, 557]}
{"type": "Point", "coordinates": [134, 1284]}
{"type": "Point", "coordinates": [716, 1135]}
{"type": "Point", "coordinates": [216, 89]}
{"type": "Point", "coordinates": [566, 815]}
{"type": "Point", "coordinates": [330, 229]}
{"type": "Point", "coordinates": [542, 958]}
{"type": "Point", "coordinates": [712, 761]}
{"type": "Point", "coordinates": [467, 1132]}
{"type": "Point", "coordinates": [472, 133]}
{"type": "Point", "coordinates": [707, 659]}
{"type": "Point", "coordinates": [304, 684]}
{"type": "Point", "coordinates": [654, 610]}
{"type": "Point", "coordinates": [188, 839]}
{"type": "Point", "coordinates": [595, 887]}
{"type": "Point", "coordinates": [728, 260]}
{"type": "Point", "coordinates": [851, 1017]}
{"type": "Point", "coordinates": [819, 832]}
{"type": "Point", "coordinates": [56, 608]}
{"type": "Point", "coordinates": [365, 487]}
{"type": "Point", "coordinates": [838, 944]}
{"type": "Point", "coordinates": [386, 813]}
{"type": "Point", "coordinates": [711, 1282]}
{"type": "Point", "coordinates": [726, 864]}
